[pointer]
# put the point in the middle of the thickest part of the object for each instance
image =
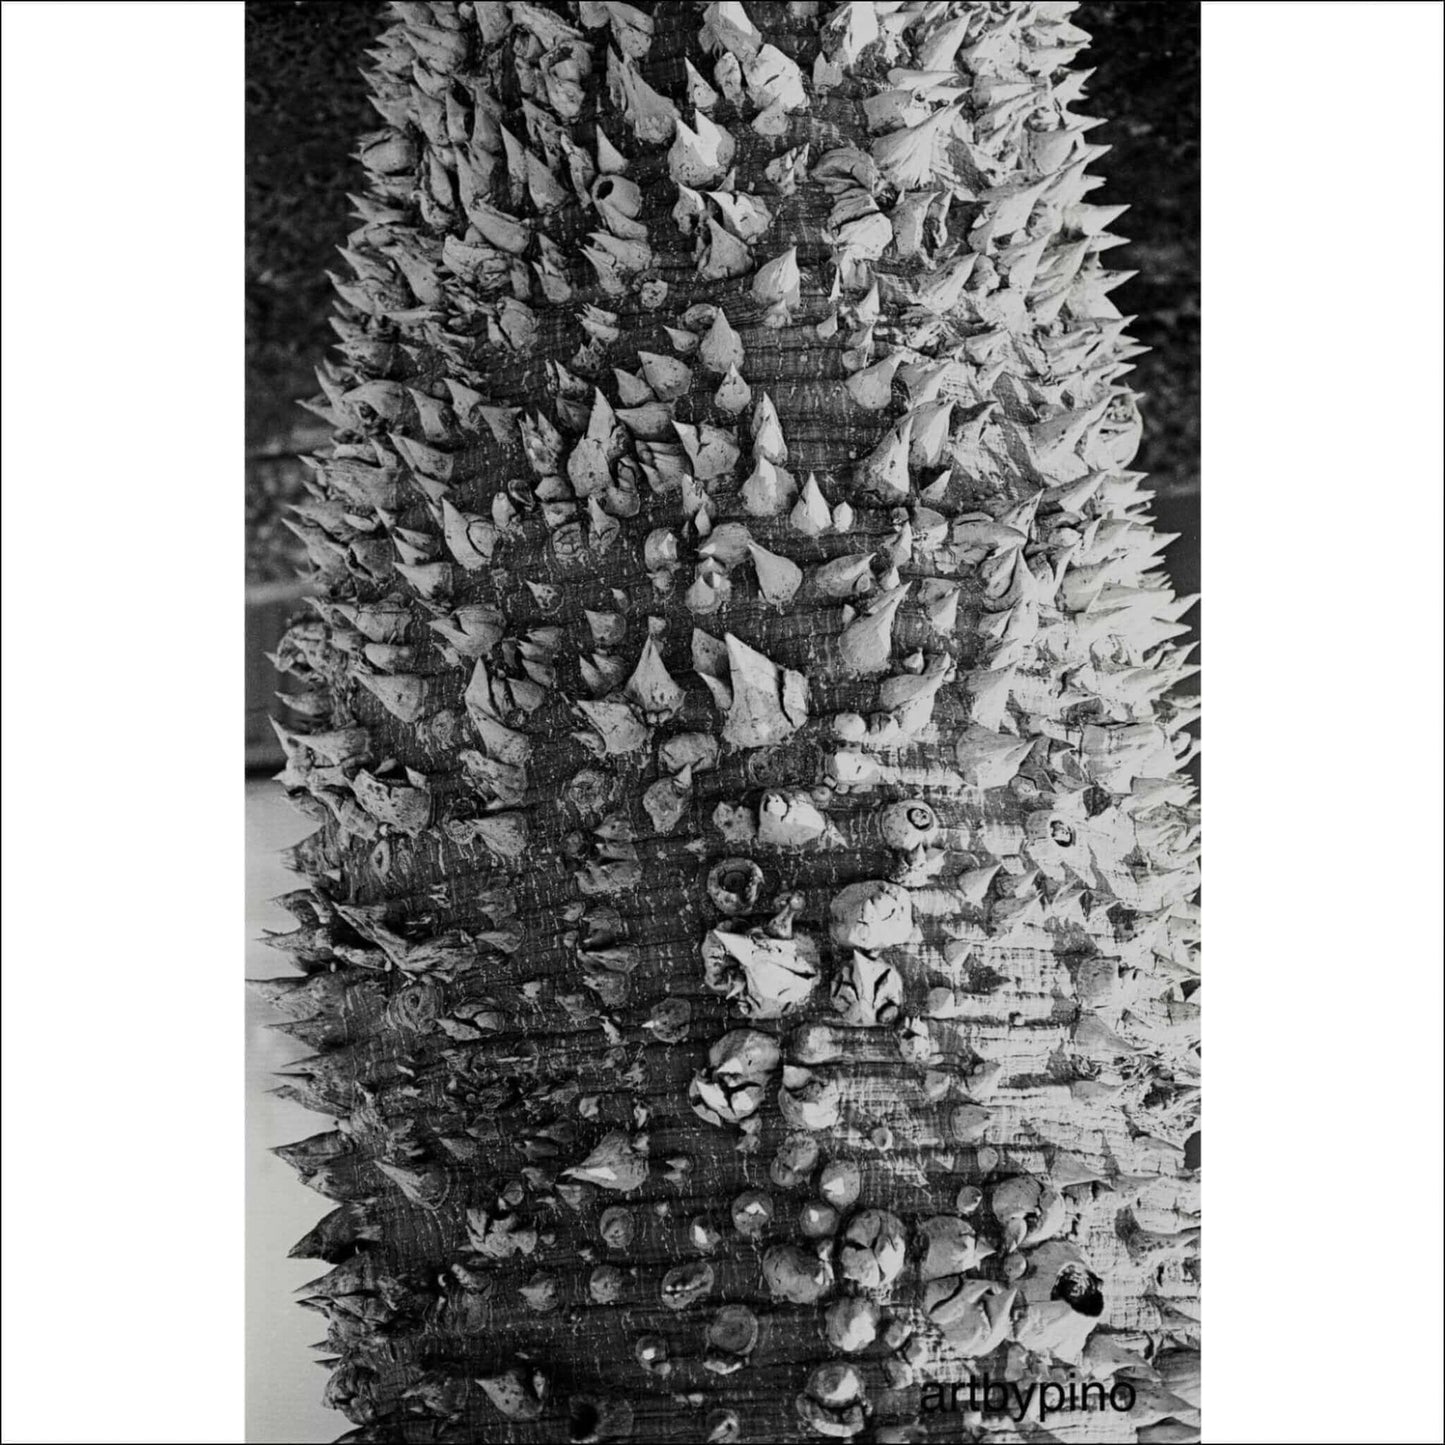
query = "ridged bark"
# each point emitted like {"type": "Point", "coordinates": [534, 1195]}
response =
{"type": "Point", "coordinates": [749, 944]}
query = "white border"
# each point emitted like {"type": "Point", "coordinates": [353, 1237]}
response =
{"type": "Point", "coordinates": [122, 448]}
{"type": "Point", "coordinates": [122, 458]}
{"type": "Point", "coordinates": [1322, 708]}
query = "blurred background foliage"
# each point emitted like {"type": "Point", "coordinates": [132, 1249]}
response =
{"type": "Point", "coordinates": [305, 106]}
{"type": "Point", "coordinates": [1146, 81]}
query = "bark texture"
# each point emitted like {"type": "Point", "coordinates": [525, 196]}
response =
{"type": "Point", "coordinates": [749, 946]}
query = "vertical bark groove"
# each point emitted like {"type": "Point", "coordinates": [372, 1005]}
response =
{"type": "Point", "coordinates": [749, 945]}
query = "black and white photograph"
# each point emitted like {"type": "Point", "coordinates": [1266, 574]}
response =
{"type": "Point", "coordinates": [713, 947]}
{"type": "Point", "coordinates": [746, 954]}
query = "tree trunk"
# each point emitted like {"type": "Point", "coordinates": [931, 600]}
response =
{"type": "Point", "coordinates": [749, 947]}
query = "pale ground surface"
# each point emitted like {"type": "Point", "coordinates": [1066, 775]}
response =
{"type": "Point", "coordinates": [283, 1385]}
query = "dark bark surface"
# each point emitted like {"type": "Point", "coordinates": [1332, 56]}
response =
{"type": "Point", "coordinates": [748, 943]}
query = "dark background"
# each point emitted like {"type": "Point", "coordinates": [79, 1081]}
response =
{"type": "Point", "coordinates": [306, 104]}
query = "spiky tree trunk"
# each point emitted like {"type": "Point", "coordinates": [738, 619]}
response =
{"type": "Point", "coordinates": [748, 946]}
